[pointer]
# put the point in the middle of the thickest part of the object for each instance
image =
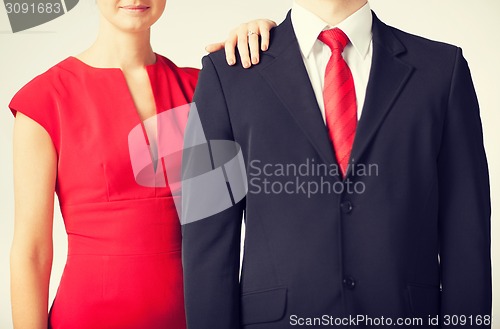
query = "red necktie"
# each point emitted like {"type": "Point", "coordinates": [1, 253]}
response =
{"type": "Point", "coordinates": [339, 97]}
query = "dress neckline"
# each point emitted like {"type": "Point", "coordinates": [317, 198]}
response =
{"type": "Point", "coordinates": [121, 84]}
{"type": "Point", "coordinates": [82, 63]}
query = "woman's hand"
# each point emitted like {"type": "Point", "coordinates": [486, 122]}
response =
{"type": "Point", "coordinates": [246, 38]}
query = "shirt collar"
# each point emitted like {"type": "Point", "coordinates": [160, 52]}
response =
{"type": "Point", "coordinates": [307, 27]}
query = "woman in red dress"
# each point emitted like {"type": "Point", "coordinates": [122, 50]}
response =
{"type": "Point", "coordinates": [124, 260]}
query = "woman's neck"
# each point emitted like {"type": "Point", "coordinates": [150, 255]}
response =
{"type": "Point", "coordinates": [115, 48]}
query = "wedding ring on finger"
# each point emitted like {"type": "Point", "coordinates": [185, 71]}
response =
{"type": "Point", "coordinates": [250, 33]}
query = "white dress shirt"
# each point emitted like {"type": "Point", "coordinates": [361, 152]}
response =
{"type": "Point", "coordinates": [358, 53]}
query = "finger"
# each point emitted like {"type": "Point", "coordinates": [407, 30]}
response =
{"type": "Point", "coordinates": [265, 36]}
{"type": "Point", "coordinates": [243, 47]}
{"type": "Point", "coordinates": [211, 48]}
{"type": "Point", "coordinates": [253, 44]}
{"type": "Point", "coordinates": [253, 41]}
{"type": "Point", "coordinates": [230, 46]}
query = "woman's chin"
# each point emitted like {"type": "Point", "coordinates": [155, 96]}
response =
{"type": "Point", "coordinates": [134, 27]}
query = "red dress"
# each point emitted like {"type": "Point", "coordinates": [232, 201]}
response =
{"type": "Point", "coordinates": [124, 265]}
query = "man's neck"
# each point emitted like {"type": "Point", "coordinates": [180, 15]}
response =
{"type": "Point", "coordinates": [332, 11]}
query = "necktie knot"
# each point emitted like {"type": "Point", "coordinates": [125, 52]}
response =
{"type": "Point", "coordinates": [335, 38]}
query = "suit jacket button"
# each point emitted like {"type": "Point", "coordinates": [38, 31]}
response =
{"type": "Point", "coordinates": [346, 207]}
{"type": "Point", "coordinates": [349, 283]}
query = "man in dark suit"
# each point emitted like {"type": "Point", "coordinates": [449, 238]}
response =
{"type": "Point", "coordinates": [368, 196]}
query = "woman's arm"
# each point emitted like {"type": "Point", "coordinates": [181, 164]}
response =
{"type": "Point", "coordinates": [246, 38]}
{"type": "Point", "coordinates": [35, 163]}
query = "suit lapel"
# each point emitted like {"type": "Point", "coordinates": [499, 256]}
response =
{"type": "Point", "coordinates": [288, 78]}
{"type": "Point", "coordinates": [388, 76]}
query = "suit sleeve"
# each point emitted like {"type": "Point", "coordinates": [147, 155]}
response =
{"type": "Point", "coordinates": [464, 206]}
{"type": "Point", "coordinates": [211, 246]}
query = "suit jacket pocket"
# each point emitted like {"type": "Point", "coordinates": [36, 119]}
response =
{"type": "Point", "coordinates": [424, 300]}
{"type": "Point", "coordinates": [263, 306]}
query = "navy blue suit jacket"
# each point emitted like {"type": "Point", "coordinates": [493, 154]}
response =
{"type": "Point", "coordinates": [413, 241]}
